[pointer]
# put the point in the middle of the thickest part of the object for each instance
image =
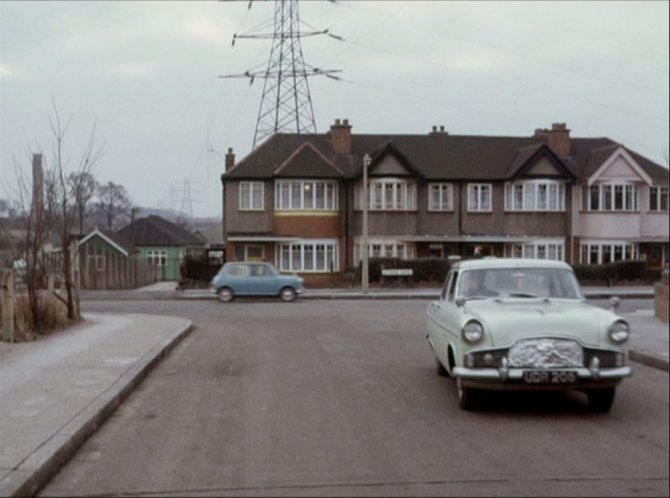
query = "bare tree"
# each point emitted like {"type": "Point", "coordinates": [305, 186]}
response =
{"type": "Point", "coordinates": [83, 187]}
{"type": "Point", "coordinates": [63, 192]}
{"type": "Point", "coordinates": [24, 238]}
{"type": "Point", "coordinates": [114, 203]}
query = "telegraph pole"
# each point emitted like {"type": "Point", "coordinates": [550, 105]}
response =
{"type": "Point", "coordinates": [286, 104]}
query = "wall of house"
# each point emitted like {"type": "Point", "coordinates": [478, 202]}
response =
{"type": "Point", "coordinates": [172, 270]}
{"type": "Point", "coordinates": [655, 225]}
{"type": "Point", "coordinates": [483, 223]}
{"type": "Point", "coordinates": [237, 221]}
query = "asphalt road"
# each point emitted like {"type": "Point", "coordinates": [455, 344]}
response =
{"type": "Point", "coordinates": [341, 398]}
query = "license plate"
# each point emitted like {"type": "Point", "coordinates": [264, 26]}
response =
{"type": "Point", "coordinates": [549, 377]}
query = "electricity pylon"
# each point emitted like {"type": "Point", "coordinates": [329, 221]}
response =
{"type": "Point", "coordinates": [286, 105]}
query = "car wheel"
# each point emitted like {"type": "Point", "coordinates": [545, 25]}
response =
{"type": "Point", "coordinates": [600, 400]}
{"type": "Point", "coordinates": [439, 368]}
{"type": "Point", "coordinates": [467, 397]}
{"type": "Point", "coordinates": [226, 295]}
{"type": "Point", "coordinates": [287, 294]}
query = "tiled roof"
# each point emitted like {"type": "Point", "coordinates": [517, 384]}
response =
{"type": "Point", "coordinates": [154, 231]}
{"type": "Point", "coordinates": [437, 156]}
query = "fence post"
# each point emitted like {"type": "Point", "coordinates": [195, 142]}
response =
{"type": "Point", "coordinates": [76, 278]}
{"type": "Point", "coordinates": [7, 291]}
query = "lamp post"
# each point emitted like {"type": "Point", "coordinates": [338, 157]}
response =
{"type": "Point", "coordinates": [364, 247]}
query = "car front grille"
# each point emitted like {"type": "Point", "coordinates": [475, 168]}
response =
{"type": "Point", "coordinates": [493, 359]}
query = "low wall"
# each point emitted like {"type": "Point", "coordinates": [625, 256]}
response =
{"type": "Point", "coordinates": [661, 297]}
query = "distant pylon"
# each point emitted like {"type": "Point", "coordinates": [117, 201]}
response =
{"type": "Point", "coordinates": [286, 104]}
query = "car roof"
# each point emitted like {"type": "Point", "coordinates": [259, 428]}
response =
{"type": "Point", "coordinates": [492, 263]}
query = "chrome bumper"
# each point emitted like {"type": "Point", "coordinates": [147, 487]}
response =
{"type": "Point", "coordinates": [516, 374]}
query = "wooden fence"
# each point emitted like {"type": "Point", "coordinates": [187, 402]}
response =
{"type": "Point", "coordinates": [110, 270]}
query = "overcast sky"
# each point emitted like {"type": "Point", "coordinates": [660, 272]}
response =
{"type": "Point", "coordinates": [147, 74]}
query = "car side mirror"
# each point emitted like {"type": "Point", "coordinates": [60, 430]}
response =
{"type": "Point", "coordinates": [460, 302]}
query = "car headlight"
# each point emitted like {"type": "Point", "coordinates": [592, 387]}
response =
{"type": "Point", "coordinates": [619, 332]}
{"type": "Point", "coordinates": [473, 331]}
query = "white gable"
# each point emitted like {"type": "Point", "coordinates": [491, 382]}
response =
{"type": "Point", "coordinates": [620, 166]}
{"type": "Point", "coordinates": [389, 165]}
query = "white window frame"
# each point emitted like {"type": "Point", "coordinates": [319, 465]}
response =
{"type": "Point", "coordinates": [627, 250]}
{"type": "Point", "coordinates": [388, 194]}
{"type": "Point", "coordinates": [531, 194]}
{"type": "Point", "coordinates": [477, 190]}
{"type": "Point", "coordinates": [308, 256]}
{"type": "Point", "coordinates": [440, 197]}
{"type": "Point", "coordinates": [537, 249]}
{"type": "Point", "coordinates": [303, 195]}
{"type": "Point", "coordinates": [256, 200]}
{"type": "Point", "coordinates": [385, 248]}
{"type": "Point", "coordinates": [606, 196]}
{"type": "Point", "coordinates": [657, 192]}
{"type": "Point", "coordinates": [157, 257]}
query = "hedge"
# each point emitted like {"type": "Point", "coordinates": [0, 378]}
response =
{"type": "Point", "coordinates": [616, 271]}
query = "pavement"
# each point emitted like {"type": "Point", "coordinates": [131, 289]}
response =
{"type": "Point", "coordinates": [55, 392]}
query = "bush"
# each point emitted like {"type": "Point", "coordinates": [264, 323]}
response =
{"type": "Point", "coordinates": [616, 271]}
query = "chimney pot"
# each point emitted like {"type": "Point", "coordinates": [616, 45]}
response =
{"type": "Point", "coordinates": [340, 134]}
{"type": "Point", "coordinates": [441, 128]}
{"type": "Point", "coordinates": [230, 160]}
{"type": "Point", "coordinates": [434, 129]}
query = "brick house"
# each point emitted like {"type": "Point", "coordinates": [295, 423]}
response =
{"type": "Point", "coordinates": [296, 200]}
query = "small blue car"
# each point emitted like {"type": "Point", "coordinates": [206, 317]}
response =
{"type": "Point", "coordinates": [254, 279]}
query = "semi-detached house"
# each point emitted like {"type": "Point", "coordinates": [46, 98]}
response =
{"type": "Point", "coordinates": [297, 199]}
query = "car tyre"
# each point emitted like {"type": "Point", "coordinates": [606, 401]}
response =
{"type": "Point", "coordinates": [287, 294]}
{"type": "Point", "coordinates": [226, 294]}
{"type": "Point", "coordinates": [600, 400]}
{"type": "Point", "coordinates": [439, 368]}
{"type": "Point", "coordinates": [467, 397]}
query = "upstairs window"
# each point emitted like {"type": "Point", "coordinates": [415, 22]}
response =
{"type": "Point", "coordinates": [658, 199]}
{"type": "Point", "coordinates": [440, 197]}
{"type": "Point", "coordinates": [306, 195]}
{"type": "Point", "coordinates": [388, 194]}
{"type": "Point", "coordinates": [479, 197]}
{"type": "Point", "coordinates": [610, 197]}
{"type": "Point", "coordinates": [251, 195]}
{"type": "Point", "coordinates": [535, 195]}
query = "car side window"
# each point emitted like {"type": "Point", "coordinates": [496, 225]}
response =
{"type": "Point", "coordinates": [452, 287]}
{"type": "Point", "coordinates": [239, 271]}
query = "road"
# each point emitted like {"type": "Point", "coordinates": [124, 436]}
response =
{"type": "Point", "coordinates": [341, 398]}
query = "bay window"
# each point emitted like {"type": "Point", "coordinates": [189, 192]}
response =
{"type": "Point", "coordinates": [535, 195]}
{"type": "Point", "coordinates": [388, 194]}
{"type": "Point", "coordinates": [610, 197]}
{"type": "Point", "coordinates": [316, 256]}
{"type": "Point", "coordinates": [306, 195]}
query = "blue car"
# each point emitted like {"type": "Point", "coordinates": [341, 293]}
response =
{"type": "Point", "coordinates": [254, 279]}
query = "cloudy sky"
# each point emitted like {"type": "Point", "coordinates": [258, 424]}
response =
{"type": "Point", "coordinates": [146, 73]}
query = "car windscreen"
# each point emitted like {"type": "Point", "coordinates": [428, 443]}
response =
{"type": "Point", "coordinates": [554, 283]}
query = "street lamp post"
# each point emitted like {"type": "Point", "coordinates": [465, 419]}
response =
{"type": "Point", "coordinates": [364, 247]}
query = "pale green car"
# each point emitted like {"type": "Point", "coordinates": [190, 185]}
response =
{"type": "Point", "coordinates": [523, 324]}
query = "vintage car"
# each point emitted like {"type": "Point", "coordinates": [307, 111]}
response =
{"type": "Point", "coordinates": [254, 279]}
{"type": "Point", "coordinates": [524, 324]}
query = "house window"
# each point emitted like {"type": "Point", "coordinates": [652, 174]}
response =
{"type": "Point", "coordinates": [479, 197]}
{"type": "Point", "coordinates": [536, 250]}
{"type": "Point", "coordinates": [249, 252]}
{"type": "Point", "coordinates": [601, 253]}
{"type": "Point", "coordinates": [658, 199]}
{"type": "Point", "coordinates": [251, 195]}
{"type": "Point", "coordinates": [440, 197]}
{"type": "Point", "coordinates": [388, 194]}
{"type": "Point", "coordinates": [535, 195]}
{"type": "Point", "coordinates": [385, 249]}
{"type": "Point", "coordinates": [157, 258]}
{"type": "Point", "coordinates": [610, 197]}
{"type": "Point", "coordinates": [306, 195]}
{"type": "Point", "coordinates": [317, 256]}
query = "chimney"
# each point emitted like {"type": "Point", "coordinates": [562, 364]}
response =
{"type": "Point", "coordinates": [38, 184]}
{"type": "Point", "coordinates": [559, 139]}
{"type": "Point", "coordinates": [230, 160]}
{"type": "Point", "coordinates": [340, 134]}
